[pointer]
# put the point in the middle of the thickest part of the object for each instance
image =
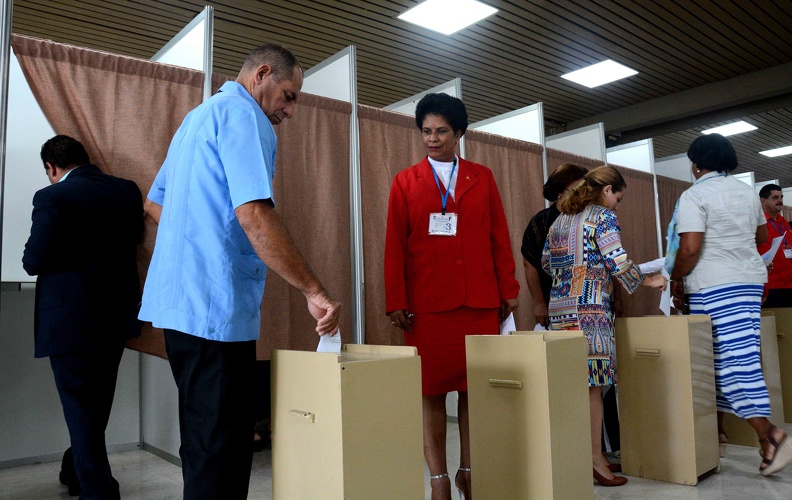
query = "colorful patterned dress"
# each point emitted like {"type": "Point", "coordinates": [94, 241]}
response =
{"type": "Point", "coordinates": [582, 252]}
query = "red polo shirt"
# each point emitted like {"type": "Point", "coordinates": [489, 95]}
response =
{"type": "Point", "coordinates": [781, 275]}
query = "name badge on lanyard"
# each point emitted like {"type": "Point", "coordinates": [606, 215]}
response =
{"type": "Point", "coordinates": [783, 233]}
{"type": "Point", "coordinates": [443, 224]}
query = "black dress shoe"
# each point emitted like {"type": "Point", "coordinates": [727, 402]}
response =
{"type": "Point", "coordinates": [68, 475]}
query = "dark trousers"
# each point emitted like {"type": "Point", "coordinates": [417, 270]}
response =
{"type": "Point", "coordinates": [216, 401]}
{"type": "Point", "coordinates": [86, 385]}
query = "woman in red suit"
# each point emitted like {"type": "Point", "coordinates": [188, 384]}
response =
{"type": "Point", "coordinates": [449, 271]}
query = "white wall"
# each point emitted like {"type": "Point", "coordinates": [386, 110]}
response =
{"type": "Point", "coordinates": [159, 406]}
{"type": "Point", "coordinates": [32, 427]}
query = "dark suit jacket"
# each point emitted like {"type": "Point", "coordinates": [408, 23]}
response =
{"type": "Point", "coordinates": [426, 273]}
{"type": "Point", "coordinates": [83, 247]}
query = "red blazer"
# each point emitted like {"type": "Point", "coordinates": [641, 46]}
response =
{"type": "Point", "coordinates": [426, 273]}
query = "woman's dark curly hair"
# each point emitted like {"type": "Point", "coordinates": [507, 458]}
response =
{"type": "Point", "coordinates": [713, 152]}
{"type": "Point", "coordinates": [450, 108]}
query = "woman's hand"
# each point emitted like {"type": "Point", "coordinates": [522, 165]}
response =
{"type": "Point", "coordinates": [657, 281]}
{"type": "Point", "coordinates": [401, 319]}
{"type": "Point", "coordinates": [541, 315]}
{"type": "Point", "coordinates": [506, 308]}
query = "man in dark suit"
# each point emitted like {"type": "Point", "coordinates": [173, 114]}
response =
{"type": "Point", "coordinates": [83, 248]}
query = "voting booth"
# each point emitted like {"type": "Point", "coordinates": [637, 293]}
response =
{"type": "Point", "coordinates": [348, 425]}
{"type": "Point", "coordinates": [669, 427]}
{"type": "Point", "coordinates": [737, 429]}
{"type": "Point", "coordinates": [783, 324]}
{"type": "Point", "coordinates": [530, 435]}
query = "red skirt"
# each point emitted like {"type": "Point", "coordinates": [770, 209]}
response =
{"type": "Point", "coordinates": [440, 339]}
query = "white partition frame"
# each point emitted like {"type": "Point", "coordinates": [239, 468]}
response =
{"type": "Point", "coordinates": [197, 38]}
{"type": "Point", "coordinates": [26, 130]}
{"type": "Point", "coordinates": [336, 77]}
{"type": "Point", "coordinates": [639, 155]}
{"type": "Point", "coordinates": [6, 8]}
{"type": "Point", "coordinates": [675, 166]}
{"type": "Point", "coordinates": [525, 124]}
{"type": "Point", "coordinates": [586, 141]}
{"type": "Point", "coordinates": [407, 106]}
{"type": "Point", "coordinates": [746, 177]}
{"type": "Point", "coordinates": [759, 185]}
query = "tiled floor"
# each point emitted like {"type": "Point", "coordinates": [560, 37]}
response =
{"type": "Point", "coordinates": [144, 476]}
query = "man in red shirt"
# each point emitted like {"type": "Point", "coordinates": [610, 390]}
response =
{"type": "Point", "coordinates": [780, 276]}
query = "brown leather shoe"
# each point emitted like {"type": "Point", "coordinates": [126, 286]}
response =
{"type": "Point", "coordinates": [616, 481]}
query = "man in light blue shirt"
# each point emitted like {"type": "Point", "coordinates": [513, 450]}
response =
{"type": "Point", "coordinates": [218, 233]}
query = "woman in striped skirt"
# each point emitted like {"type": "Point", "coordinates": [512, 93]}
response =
{"type": "Point", "coordinates": [719, 222]}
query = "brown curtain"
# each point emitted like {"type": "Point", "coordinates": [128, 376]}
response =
{"type": "Point", "coordinates": [126, 110]}
{"type": "Point", "coordinates": [312, 196]}
{"type": "Point", "coordinates": [786, 213]}
{"type": "Point", "coordinates": [517, 167]}
{"type": "Point", "coordinates": [389, 143]}
{"type": "Point", "coordinates": [556, 158]}
{"type": "Point", "coordinates": [668, 192]}
{"type": "Point", "coordinates": [636, 215]}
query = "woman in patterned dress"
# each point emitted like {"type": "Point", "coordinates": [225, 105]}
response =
{"type": "Point", "coordinates": [582, 254]}
{"type": "Point", "coordinates": [719, 221]}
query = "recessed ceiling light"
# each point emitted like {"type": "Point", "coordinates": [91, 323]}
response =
{"type": "Point", "coordinates": [772, 153]}
{"type": "Point", "coordinates": [599, 74]}
{"type": "Point", "coordinates": [730, 129]}
{"type": "Point", "coordinates": [447, 16]}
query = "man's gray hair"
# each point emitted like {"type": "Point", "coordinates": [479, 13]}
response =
{"type": "Point", "coordinates": [280, 59]}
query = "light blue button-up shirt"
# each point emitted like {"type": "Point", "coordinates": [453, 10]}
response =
{"type": "Point", "coordinates": [205, 279]}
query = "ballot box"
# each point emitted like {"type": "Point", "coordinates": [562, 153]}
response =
{"type": "Point", "coordinates": [737, 429]}
{"type": "Point", "coordinates": [783, 323]}
{"type": "Point", "coordinates": [530, 435]}
{"type": "Point", "coordinates": [348, 425]}
{"type": "Point", "coordinates": [667, 416]}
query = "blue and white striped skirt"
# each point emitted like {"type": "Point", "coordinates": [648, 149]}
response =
{"type": "Point", "coordinates": [734, 309]}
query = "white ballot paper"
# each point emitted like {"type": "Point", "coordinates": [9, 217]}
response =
{"type": "Point", "coordinates": [665, 297]}
{"type": "Point", "coordinates": [508, 325]}
{"type": "Point", "coordinates": [330, 343]}
{"type": "Point", "coordinates": [769, 255]}
{"type": "Point", "coordinates": [539, 328]}
{"type": "Point", "coordinates": [652, 267]}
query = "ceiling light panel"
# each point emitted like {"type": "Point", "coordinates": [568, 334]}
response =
{"type": "Point", "coordinates": [599, 74]}
{"type": "Point", "coordinates": [772, 153]}
{"type": "Point", "coordinates": [730, 129]}
{"type": "Point", "coordinates": [447, 16]}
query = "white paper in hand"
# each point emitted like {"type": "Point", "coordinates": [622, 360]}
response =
{"type": "Point", "coordinates": [330, 343]}
{"type": "Point", "coordinates": [652, 266]}
{"type": "Point", "coordinates": [508, 325]}
{"type": "Point", "coordinates": [665, 297]}
{"type": "Point", "coordinates": [769, 255]}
